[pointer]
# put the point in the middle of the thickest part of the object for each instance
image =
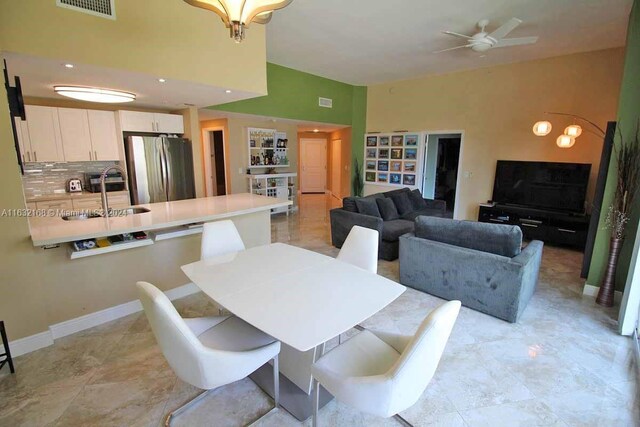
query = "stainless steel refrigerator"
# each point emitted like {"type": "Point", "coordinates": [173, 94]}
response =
{"type": "Point", "coordinates": [160, 169]}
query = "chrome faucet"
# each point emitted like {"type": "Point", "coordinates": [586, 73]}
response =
{"type": "Point", "coordinates": [103, 186]}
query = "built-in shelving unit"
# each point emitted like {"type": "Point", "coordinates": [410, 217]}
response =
{"type": "Point", "coordinates": [278, 185]}
{"type": "Point", "coordinates": [268, 148]}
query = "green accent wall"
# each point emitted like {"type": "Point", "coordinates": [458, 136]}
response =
{"type": "Point", "coordinates": [294, 95]}
{"type": "Point", "coordinates": [628, 114]}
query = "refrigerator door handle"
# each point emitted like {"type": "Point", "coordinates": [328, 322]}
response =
{"type": "Point", "coordinates": [167, 172]}
{"type": "Point", "coordinates": [163, 169]}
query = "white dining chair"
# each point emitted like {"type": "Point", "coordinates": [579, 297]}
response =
{"type": "Point", "coordinates": [207, 352]}
{"type": "Point", "coordinates": [382, 373]}
{"type": "Point", "coordinates": [219, 238]}
{"type": "Point", "coordinates": [361, 248]}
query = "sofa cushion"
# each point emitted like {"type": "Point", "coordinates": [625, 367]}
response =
{"type": "Point", "coordinates": [417, 201]}
{"type": "Point", "coordinates": [349, 204]}
{"type": "Point", "coordinates": [387, 209]}
{"type": "Point", "coordinates": [411, 216]}
{"type": "Point", "coordinates": [392, 230]}
{"type": "Point", "coordinates": [398, 191]}
{"type": "Point", "coordinates": [499, 239]}
{"type": "Point", "coordinates": [368, 206]}
{"type": "Point", "coordinates": [402, 202]}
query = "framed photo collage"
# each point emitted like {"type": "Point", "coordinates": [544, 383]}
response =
{"type": "Point", "coordinates": [391, 159]}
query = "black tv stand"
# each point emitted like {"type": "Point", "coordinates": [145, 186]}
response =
{"type": "Point", "coordinates": [552, 227]}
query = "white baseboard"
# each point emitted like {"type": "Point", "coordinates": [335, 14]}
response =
{"type": "Point", "coordinates": [43, 339]}
{"type": "Point", "coordinates": [592, 291]}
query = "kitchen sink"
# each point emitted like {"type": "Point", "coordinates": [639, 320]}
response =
{"type": "Point", "coordinates": [80, 216]}
{"type": "Point", "coordinates": [134, 210]}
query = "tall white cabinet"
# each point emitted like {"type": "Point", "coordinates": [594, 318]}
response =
{"type": "Point", "coordinates": [74, 131]}
{"type": "Point", "coordinates": [44, 143]}
{"type": "Point", "coordinates": [102, 127]}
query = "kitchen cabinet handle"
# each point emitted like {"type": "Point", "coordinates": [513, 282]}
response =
{"type": "Point", "coordinates": [95, 155]}
{"type": "Point", "coordinates": [28, 157]}
{"type": "Point", "coordinates": [564, 230]}
{"type": "Point", "coordinates": [529, 225]}
{"type": "Point", "coordinates": [35, 156]}
{"type": "Point", "coordinates": [90, 155]}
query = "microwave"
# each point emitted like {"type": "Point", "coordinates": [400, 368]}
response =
{"type": "Point", "coordinates": [113, 182]}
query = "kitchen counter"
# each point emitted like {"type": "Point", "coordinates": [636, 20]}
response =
{"type": "Point", "coordinates": [55, 230]}
{"type": "Point", "coordinates": [71, 196]}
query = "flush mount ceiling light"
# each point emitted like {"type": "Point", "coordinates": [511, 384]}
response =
{"type": "Point", "coordinates": [573, 130]}
{"type": "Point", "coordinates": [238, 14]}
{"type": "Point", "coordinates": [94, 94]}
{"type": "Point", "coordinates": [542, 128]}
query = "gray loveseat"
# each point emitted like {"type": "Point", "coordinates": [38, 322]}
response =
{"type": "Point", "coordinates": [480, 264]}
{"type": "Point", "coordinates": [390, 225]}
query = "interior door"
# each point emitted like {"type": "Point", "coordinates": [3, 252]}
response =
{"type": "Point", "coordinates": [76, 139]}
{"type": "Point", "coordinates": [336, 166]}
{"type": "Point", "coordinates": [313, 165]}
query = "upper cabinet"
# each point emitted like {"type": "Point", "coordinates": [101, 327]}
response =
{"type": "Point", "coordinates": [44, 135]}
{"type": "Point", "coordinates": [104, 137]}
{"type": "Point", "coordinates": [136, 121]}
{"type": "Point", "coordinates": [68, 134]}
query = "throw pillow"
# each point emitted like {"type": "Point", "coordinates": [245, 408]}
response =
{"type": "Point", "coordinates": [402, 202]}
{"type": "Point", "coordinates": [387, 209]}
{"type": "Point", "coordinates": [368, 207]}
{"type": "Point", "coordinates": [349, 204]}
{"type": "Point", "coordinates": [417, 201]}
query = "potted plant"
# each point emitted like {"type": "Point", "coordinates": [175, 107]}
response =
{"type": "Point", "coordinates": [628, 162]}
{"type": "Point", "coordinates": [358, 182]}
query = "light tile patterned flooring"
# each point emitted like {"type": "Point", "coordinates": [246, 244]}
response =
{"type": "Point", "coordinates": [561, 365]}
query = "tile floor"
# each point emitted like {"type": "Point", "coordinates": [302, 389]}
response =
{"type": "Point", "coordinates": [561, 365]}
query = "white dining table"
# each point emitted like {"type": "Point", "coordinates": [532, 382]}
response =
{"type": "Point", "coordinates": [301, 298]}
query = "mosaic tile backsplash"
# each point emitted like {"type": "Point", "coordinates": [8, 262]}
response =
{"type": "Point", "coordinates": [43, 179]}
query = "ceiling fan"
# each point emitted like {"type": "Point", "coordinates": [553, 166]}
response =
{"type": "Point", "coordinates": [483, 41]}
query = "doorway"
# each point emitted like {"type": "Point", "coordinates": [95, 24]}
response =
{"type": "Point", "coordinates": [313, 165]}
{"type": "Point", "coordinates": [214, 161]}
{"type": "Point", "coordinates": [441, 167]}
{"type": "Point", "coordinates": [336, 168]}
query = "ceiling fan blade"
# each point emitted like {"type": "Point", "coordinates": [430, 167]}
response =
{"type": "Point", "coordinates": [516, 41]}
{"type": "Point", "coordinates": [462, 36]}
{"type": "Point", "coordinates": [505, 29]}
{"type": "Point", "coordinates": [452, 48]}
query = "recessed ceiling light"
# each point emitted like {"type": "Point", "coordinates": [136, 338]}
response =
{"type": "Point", "coordinates": [94, 94]}
{"type": "Point", "coordinates": [316, 130]}
{"type": "Point", "coordinates": [227, 91]}
{"type": "Point", "coordinates": [161, 80]}
{"type": "Point", "coordinates": [68, 65]}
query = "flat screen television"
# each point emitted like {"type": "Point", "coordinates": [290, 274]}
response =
{"type": "Point", "coordinates": [542, 185]}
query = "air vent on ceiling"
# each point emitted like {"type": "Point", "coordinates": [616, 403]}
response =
{"type": "Point", "coordinates": [325, 102]}
{"type": "Point", "coordinates": [102, 8]}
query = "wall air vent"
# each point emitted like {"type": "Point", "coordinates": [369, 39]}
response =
{"type": "Point", "coordinates": [102, 8]}
{"type": "Point", "coordinates": [325, 102]}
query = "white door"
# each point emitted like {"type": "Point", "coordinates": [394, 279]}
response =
{"type": "Point", "coordinates": [44, 133]}
{"type": "Point", "coordinates": [169, 123]}
{"type": "Point", "coordinates": [76, 139]}
{"type": "Point", "coordinates": [136, 121]}
{"type": "Point", "coordinates": [336, 166]}
{"type": "Point", "coordinates": [104, 137]}
{"type": "Point", "coordinates": [313, 165]}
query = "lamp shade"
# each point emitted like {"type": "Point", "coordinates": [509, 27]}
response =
{"type": "Point", "coordinates": [542, 128]}
{"type": "Point", "coordinates": [238, 14]}
{"type": "Point", "coordinates": [94, 94]}
{"type": "Point", "coordinates": [573, 130]}
{"type": "Point", "coordinates": [565, 141]}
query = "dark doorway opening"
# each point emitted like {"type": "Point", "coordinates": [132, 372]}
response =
{"type": "Point", "coordinates": [217, 162]}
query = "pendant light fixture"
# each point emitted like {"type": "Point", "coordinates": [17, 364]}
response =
{"type": "Point", "coordinates": [94, 94]}
{"type": "Point", "coordinates": [542, 128]}
{"type": "Point", "coordinates": [238, 14]}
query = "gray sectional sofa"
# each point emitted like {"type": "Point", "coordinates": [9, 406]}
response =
{"type": "Point", "coordinates": [392, 217]}
{"type": "Point", "coordinates": [480, 264]}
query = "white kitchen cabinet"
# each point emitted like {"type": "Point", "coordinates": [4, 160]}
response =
{"type": "Point", "coordinates": [23, 139]}
{"type": "Point", "coordinates": [136, 121]}
{"type": "Point", "coordinates": [44, 134]}
{"type": "Point", "coordinates": [169, 123]}
{"type": "Point", "coordinates": [104, 138]}
{"type": "Point", "coordinates": [74, 130]}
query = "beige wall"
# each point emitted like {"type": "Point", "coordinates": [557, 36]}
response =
{"type": "Point", "coordinates": [163, 38]}
{"type": "Point", "coordinates": [496, 108]}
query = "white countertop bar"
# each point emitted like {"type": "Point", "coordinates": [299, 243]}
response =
{"type": "Point", "coordinates": [54, 230]}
